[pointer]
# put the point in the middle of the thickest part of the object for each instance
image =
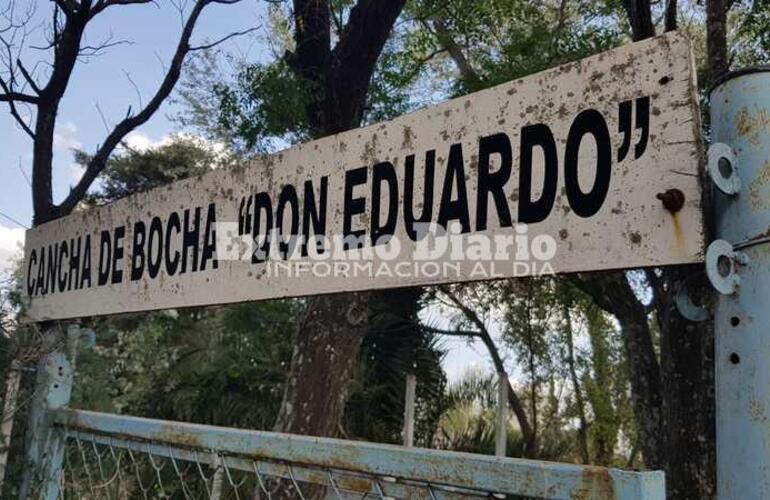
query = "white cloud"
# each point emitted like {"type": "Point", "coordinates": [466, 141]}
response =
{"type": "Point", "coordinates": [139, 141]}
{"type": "Point", "coordinates": [75, 171]}
{"type": "Point", "coordinates": [65, 137]}
{"type": "Point", "coordinates": [11, 244]}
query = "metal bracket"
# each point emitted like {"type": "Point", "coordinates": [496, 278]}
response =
{"type": "Point", "coordinates": [721, 262]}
{"type": "Point", "coordinates": [686, 307]}
{"type": "Point", "coordinates": [723, 168]}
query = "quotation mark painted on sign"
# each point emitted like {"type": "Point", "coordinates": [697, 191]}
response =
{"type": "Point", "coordinates": [642, 123]}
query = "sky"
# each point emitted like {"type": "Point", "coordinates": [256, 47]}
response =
{"type": "Point", "coordinates": [153, 32]}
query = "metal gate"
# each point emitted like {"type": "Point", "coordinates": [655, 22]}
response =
{"type": "Point", "coordinates": [84, 454]}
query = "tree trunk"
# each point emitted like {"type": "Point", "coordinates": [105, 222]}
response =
{"type": "Point", "coordinates": [674, 401]}
{"type": "Point", "coordinates": [640, 18]}
{"type": "Point", "coordinates": [688, 396]}
{"type": "Point", "coordinates": [325, 354]}
{"type": "Point", "coordinates": [613, 293]}
{"type": "Point", "coordinates": [579, 400]}
{"type": "Point", "coordinates": [527, 431]}
{"type": "Point", "coordinates": [716, 38]}
{"type": "Point", "coordinates": [331, 331]}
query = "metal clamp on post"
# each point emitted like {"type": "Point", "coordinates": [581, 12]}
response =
{"type": "Point", "coordinates": [686, 307]}
{"type": "Point", "coordinates": [721, 263]}
{"type": "Point", "coordinates": [721, 255]}
{"type": "Point", "coordinates": [723, 168]}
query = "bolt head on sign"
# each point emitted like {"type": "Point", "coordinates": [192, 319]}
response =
{"type": "Point", "coordinates": [592, 165]}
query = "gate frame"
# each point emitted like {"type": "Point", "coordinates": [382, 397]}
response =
{"type": "Point", "coordinates": [52, 423]}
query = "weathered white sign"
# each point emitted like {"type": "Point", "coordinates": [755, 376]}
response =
{"type": "Point", "coordinates": [564, 171]}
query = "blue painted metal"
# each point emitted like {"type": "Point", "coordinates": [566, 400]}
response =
{"type": "Point", "coordinates": [53, 388]}
{"type": "Point", "coordinates": [462, 470]}
{"type": "Point", "coordinates": [740, 118]}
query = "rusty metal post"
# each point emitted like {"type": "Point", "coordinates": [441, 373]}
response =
{"type": "Point", "coordinates": [739, 267]}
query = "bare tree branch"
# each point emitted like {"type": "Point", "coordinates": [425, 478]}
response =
{"type": "Point", "coordinates": [65, 38]}
{"type": "Point", "coordinates": [513, 399]}
{"type": "Point", "coordinates": [9, 96]}
{"type": "Point", "coordinates": [14, 111]}
{"type": "Point", "coordinates": [467, 72]}
{"type": "Point", "coordinates": [103, 4]}
{"type": "Point", "coordinates": [95, 50]}
{"type": "Point", "coordinates": [27, 76]}
{"type": "Point", "coordinates": [131, 121]}
{"type": "Point", "coordinates": [224, 39]}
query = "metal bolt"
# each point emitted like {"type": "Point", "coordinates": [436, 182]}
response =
{"type": "Point", "coordinates": [673, 200]}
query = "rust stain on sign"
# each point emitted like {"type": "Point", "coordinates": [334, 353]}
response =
{"type": "Point", "coordinates": [564, 164]}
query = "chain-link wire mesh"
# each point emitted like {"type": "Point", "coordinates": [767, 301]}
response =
{"type": "Point", "coordinates": [105, 467]}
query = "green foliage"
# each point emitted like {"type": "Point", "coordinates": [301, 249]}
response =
{"type": "Point", "coordinates": [506, 39]}
{"type": "Point", "coordinates": [208, 366]}
{"type": "Point", "coordinates": [135, 171]}
{"type": "Point", "coordinates": [396, 345]}
{"type": "Point", "coordinates": [469, 423]}
{"type": "Point", "coordinates": [375, 408]}
{"type": "Point", "coordinates": [205, 365]}
{"type": "Point", "coordinates": [266, 101]}
{"type": "Point", "coordinates": [750, 21]}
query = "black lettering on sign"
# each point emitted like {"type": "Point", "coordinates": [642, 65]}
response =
{"type": "Point", "coordinates": [624, 128]}
{"type": "Point", "coordinates": [182, 242]}
{"type": "Point", "coordinates": [353, 206]}
{"type": "Point", "coordinates": [287, 199]}
{"type": "Point", "coordinates": [50, 276]}
{"type": "Point", "coordinates": [262, 206]}
{"type": "Point", "coordinates": [454, 209]}
{"type": "Point", "coordinates": [427, 194]}
{"type": "Point", "coordinates": [105, 258]}
{"type": "Point", "coordinates": [137, 251]}
{"type": "Point", "coordinates": [155, 247]}
{"type": "Point", "coordinates": [40, 288]}
{"type": "Point", "coordinates": [642, 122]}
{"type": "Point", "coordinates": [32, 261]}
{"type": "Point", "coordinates": [381, 232]}
{"type": "Point", "coordinates": [190, 239]}
{"type": "Point", "coordinates": [117, 254]}
{"type": "Point", "coordinates": [74, 264]}
{"type": "Point", "coordinates": [493, 182]}
{"type": "Point", "coordinates": [85, 272]}
{"type": "Point", "coordinates": [210, 239]}
{"type": "Point", "coordinates": [173, 229]}
{"type": "Point", "coordinates": [586, 204]}
{"type": "Point", "coordinates": [63, 257]}
{"type": "Point", "coordinates": [314, 216]}
{"type": "Point", "coordinates": [531, 211]}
